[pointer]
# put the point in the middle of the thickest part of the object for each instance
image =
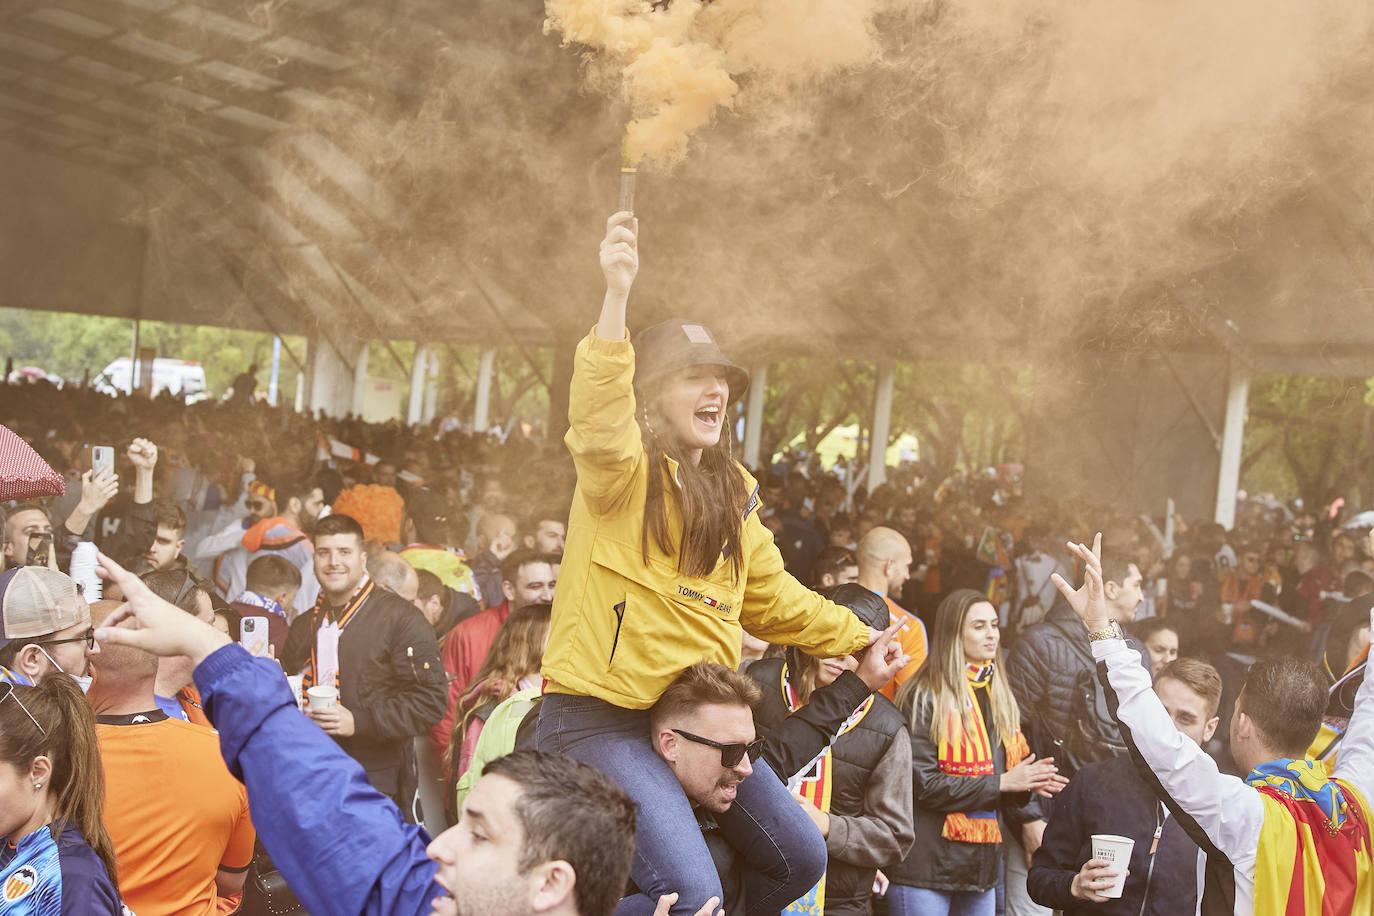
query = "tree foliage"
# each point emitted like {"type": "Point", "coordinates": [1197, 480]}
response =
{"type": "Point", "coordinates": [961, 414]}
{"type": "Point", "coordinates": [1310, 436]}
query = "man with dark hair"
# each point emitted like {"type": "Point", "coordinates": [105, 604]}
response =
{"type": "Point", "coordinates": [170, 538]}
{"type": "Point", "coordinates": [435, 601]}
{"type": "Point", "coordinates": [1286, 839]}
{"type": "Point", "coordinates": [527, 578]}
{"type": "Point", "coordinates": [834, 566]}
{"type": "Point", "coordinates": [1051, 673]}
{"type": "Point", "coordinates": [1052, 663]}
{"type": "Point", "coordinates": [379, 652]}
{"type": "Point", "coordinates": [1111, 798]}
{"type": "Point", "coordinates": [546, 531]}
{"type": "Point", "coordinates": [272, 585]}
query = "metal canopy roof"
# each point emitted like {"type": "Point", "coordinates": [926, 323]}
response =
{"type": "Point", "coordinates": [430, 170]}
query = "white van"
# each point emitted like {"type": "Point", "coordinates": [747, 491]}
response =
{"type": "Point", "coordinates": [182, 377]}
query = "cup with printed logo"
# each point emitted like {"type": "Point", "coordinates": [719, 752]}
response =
{"type": "Point", "coordinates": [296, 682]}
{"type": "Point", "coordinates": [1115, 851]}
{"type": "Point", "coordinates": [322, 697]}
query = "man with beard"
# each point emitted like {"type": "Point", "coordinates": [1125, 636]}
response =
{"type": "Point", "coordinates": [279, 519]}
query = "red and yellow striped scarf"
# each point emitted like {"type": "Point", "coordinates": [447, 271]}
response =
{"type": "Point", "coordinates": [969, 753]}
{"type": "Point", "coordinates": [319, 614]}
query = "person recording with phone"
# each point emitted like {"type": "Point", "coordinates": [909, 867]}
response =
{"type": "Point", "coordinates": [30, 539]}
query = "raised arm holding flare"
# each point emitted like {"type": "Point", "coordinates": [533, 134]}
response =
{"type": "Point", "coordinates": [666, 562]}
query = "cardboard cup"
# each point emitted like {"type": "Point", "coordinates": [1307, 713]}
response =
{"type": "Point", "coordinates": [1117, 851]}
{"type": "Point", "coordinates": [295, 682]}
{"type": "Point", "coordinates": [322, 697]}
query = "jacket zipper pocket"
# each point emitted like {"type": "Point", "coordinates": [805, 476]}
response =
{"type": "Point", "coordinates": [619, 620]}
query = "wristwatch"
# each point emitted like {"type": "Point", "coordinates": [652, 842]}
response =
{"type": "Point", "coordinates": [1110, 631]}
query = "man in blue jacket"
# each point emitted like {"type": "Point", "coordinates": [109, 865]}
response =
{"type": "Point", "coordinates": [540, 832]}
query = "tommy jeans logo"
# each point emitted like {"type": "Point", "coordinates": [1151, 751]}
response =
{"type": "Point", "coordinates": [704, 599]}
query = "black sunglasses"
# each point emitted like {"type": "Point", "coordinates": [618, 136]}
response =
{"type": "Point", "coordinates": [730, 754]}
{"type": "Point", "coordinates": [7, 691]}
{"type": "Point", "coordinates": [88, 638]}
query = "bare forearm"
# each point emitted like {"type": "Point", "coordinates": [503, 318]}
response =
{"type": "Point", "coordinates": [611, 325]}
{"type": "Point", "coordinates": [143, 486]}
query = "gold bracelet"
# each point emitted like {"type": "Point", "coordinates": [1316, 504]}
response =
{"type": "Point", "coordinates": [1111, 631]}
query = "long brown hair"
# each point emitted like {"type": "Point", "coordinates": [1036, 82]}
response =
{"type": "Point", "coordinates": [712, 502]}
{"type": "Point", "coordinates": [517, 652]}
{"type": "Point", "coordinates": [68, 740]}
{"type": "Point", "coordinates": [941, 683]}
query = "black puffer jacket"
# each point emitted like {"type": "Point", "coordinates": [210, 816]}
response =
{"type": "Point", "coordinates": [1048, 661]}
{"type": "Point", "coordinates": [870, 805]}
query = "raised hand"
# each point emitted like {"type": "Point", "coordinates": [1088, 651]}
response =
{"type": "Point", "coordinates": [143, 453]}
{"type": "Point", "coordinates": [883, 658]}
{"type": "Point", "coordinates": [620, 253]}
{"type": "Point", "coordinates": [147, 622]}
{"type": "Point", "coordinates": [1089, 601]}
{"type": "Point", "coordinates": [97, 491]}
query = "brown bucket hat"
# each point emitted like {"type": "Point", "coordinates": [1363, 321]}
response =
{"type": "Point", "coordinates": [676, 344]}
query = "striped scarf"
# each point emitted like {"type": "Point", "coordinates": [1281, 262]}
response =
{"type": "Point", "coordinates": [969, 753]}
{"type": "Point", "coordinates": [319, 614]}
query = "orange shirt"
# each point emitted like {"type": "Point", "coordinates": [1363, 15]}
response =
{"type": "Point", "coordinates": [913, 640]}
{"type": "Point", "coordinates": [175, 814]}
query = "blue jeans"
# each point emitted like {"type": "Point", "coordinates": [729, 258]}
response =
{"type": "Point", "coordinates": [781, 852]}
{"type": "Point", "coordinates": [903, 900]}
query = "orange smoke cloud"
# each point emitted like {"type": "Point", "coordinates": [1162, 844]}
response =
{"type": "Point", "coordinates": [679, 64]}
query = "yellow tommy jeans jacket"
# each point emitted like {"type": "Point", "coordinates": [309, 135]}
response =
{"type": "Point", "coordinates": [622, 630]}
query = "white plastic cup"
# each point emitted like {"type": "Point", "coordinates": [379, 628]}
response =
{"type": "Point", "coordinates": [1116, 851]}
{"type": "Point", "coordinates": [297, 688]}
{"type": "Point", "coordinates": [322, 697]}
{"type": "Point", "coordinates": [1228, 612]}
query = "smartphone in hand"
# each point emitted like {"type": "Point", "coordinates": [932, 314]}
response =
{"type": "Point", "coordinates": [253, 635]}
{"type": "Point", "coordinates": [40, 549]}
{"type": "Point", "coordinates": [102, 456]}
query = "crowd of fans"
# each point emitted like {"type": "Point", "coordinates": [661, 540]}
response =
{"type": "Point", "coordinates": [242, 511]}
{"type": "Point", "coordinates": [892, 700]}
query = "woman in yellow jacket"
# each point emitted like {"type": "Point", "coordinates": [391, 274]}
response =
{"type": "Point", "coordinates": [666, 562]}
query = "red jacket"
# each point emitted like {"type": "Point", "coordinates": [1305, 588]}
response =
{"type": "Point", "coordinates": [465, 648]}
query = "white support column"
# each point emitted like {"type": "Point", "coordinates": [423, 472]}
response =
{"type": "Point", "coordinates": [1232, 441]}
{"type": "Point", "coordinates": [419, 379]}
{"type": "Point", "coordinates": [332, 382]}
{"type": "Point", "coordinates": [359, 380]}
{"type": "Point", "coordinates": [432, 380]}
{"type": "Point", "coordinates": [482, 409]}
{"type": "Point", "coordinates": [753, 415]}
{"type": "Point", "coordinates": [882, 424]}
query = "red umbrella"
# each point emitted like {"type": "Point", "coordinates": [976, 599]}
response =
{"type": "Point", "coordinates": [24, 475]}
